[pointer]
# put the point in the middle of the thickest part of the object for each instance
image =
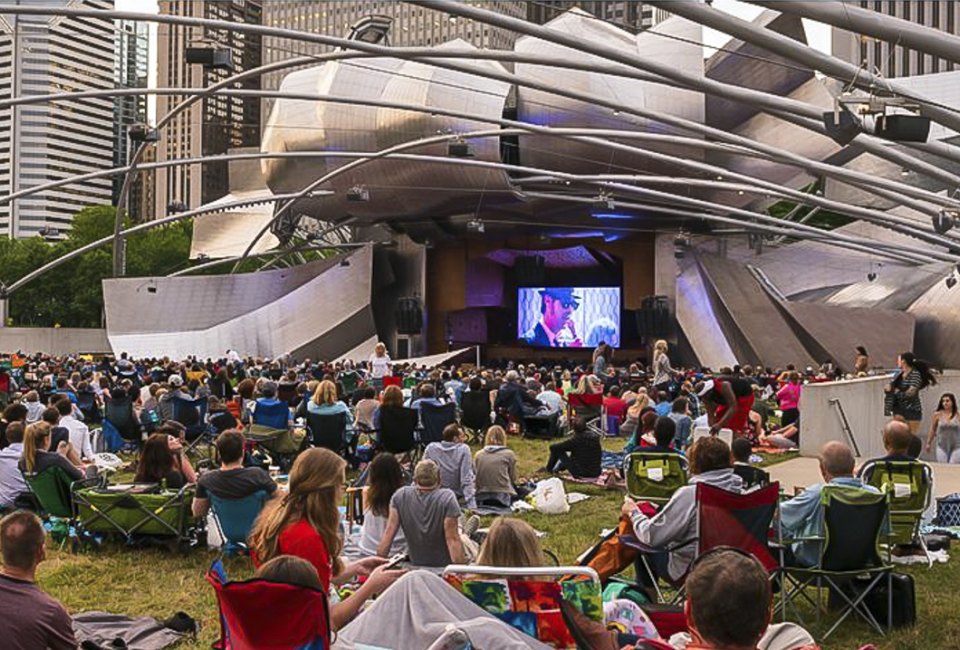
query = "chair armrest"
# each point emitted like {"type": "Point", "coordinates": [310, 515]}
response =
{"type": "Point", "coordinates": [634, 543]}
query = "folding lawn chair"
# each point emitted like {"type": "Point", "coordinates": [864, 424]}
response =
{"type": "Point", "coordinates": [286, 393]}
{"type": "Point", "coordinates": [274, 416]}
{"type": "Point", "coordinates": [251, 609]}
{"type": "Point", "coordinates": [588, 406]}
{"type": "Point", "coordinates": [235, 518]}
{"type": "Point", "coordinates": [541, 426]}
{"type": "Point", "coordinates": [87, 404]}
{"type": "Point", "coordinates": [435, 419]}
{"type": "Point", "coordinates": [475, 414]}
{"type": "Point", "coordinates": [190, 412]}
{"type": "Point", "coordinates": [119, 412]}
{"type": "Point", "coordinates": [136, 511]}
{"type": "Point", "coordinates": [349, 379]}
{"type": "Point", "coordinates": [654, 477]}
{"type": "Point", "coordinates": [753, 477]}
{"type": "Point", "coordinates": [52, 490]}
{"type": "Point", "coordinates": [398, 430]}
{"type": "Point", "coordinates": [910, 486]}
{"type": "Point", "coordinates": [282, 445]}
{"type": "Point", "coordinates": [330, 431]}
{"type": "Point", "coordinates": [529, 598]}
{"type": "Point", "coordinates": [852, 523]}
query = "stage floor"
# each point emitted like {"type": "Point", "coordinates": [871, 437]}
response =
{"type": "Point", "coordinates": [801, 472]}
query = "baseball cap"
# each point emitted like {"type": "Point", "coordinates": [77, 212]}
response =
{"type": "Point", "coordinates": [707, 387]}
{"type": "Point", "coordinates": [563, 294]}
{"type": "Point", "coordinates": [176, 380]}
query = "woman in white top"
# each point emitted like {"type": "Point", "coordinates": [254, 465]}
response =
{"type": "Point", "coordinates": [379, 363]}
{"type": "Point", "coordinates": [385, 478]}
{"type": "Point", "coordinates": [662, 371]}
{"type": "Point", "coordinates": [945, 429]}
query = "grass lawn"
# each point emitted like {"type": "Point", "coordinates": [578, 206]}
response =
{"type": "Point", "coordinates": [153, 582]}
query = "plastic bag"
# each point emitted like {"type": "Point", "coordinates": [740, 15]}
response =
{"type": "Point", "coordinates": [550, 498]}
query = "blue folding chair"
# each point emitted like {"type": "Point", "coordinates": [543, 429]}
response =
{"type": "Point", "coordinates": [191, 413]}
{"type": "Point", "coordinates": [235, 518]}
{"type": "Point", "coordinates": [274, 416]}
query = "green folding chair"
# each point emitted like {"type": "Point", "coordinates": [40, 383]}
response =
{"type": "Point", "coordinates": [51, 488]}
{"type": "Point", "coordinates": [910, 486]}
{"type": "Point", "coordinates": [853, 521]}
{"type": "Point", "coordinates": [654, 477]}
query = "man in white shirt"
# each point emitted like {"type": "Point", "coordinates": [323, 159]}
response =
{"type": "Point", "coordinates": [12, 484]}
{"type": "Point", "coordinates": [79, 432]}
{"type": "Point", "coordinates": [551, 399]}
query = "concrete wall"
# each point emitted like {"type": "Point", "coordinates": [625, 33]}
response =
{"type": "Point", "coordinates": [51, 340]}
{"type": "Point", "coordinates": [862, 401]}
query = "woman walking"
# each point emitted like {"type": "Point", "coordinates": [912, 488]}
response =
{"type": "Point", "coordinates": [945, 430]}
{"type": "Point", "coordinates": [903, 392]}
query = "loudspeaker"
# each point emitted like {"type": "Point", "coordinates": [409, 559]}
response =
{"type": "Point", "coordinates": [653, 318]}
{"type": "Point", "coordinates": [409, 316]}
{"type": "Point", "coordinates": [903, 128]}
{"type": "Point", "coordinates": [530, 270]}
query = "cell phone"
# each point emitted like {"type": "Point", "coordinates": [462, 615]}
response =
{"type": "Point", "coordinates": [396, 560]}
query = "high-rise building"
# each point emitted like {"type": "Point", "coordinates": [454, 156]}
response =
{"type": "Point", "coordinates": [892, 60]}
{"type": "Point", "coordinates": [412, 27]}
{"type": "Point", "coordinates": [131, 61]}
{"type": "Point", "coordinates": [40, 143]}
{"type": "Point", "coordinates": [216, 123]}
{"type": "Point", "coordinates": [627, 14]}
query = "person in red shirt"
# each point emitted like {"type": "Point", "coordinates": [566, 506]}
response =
{"type": "Point", "coordinates": [304, 524]}
{"type": "Point", "coordinates": [614, 405]}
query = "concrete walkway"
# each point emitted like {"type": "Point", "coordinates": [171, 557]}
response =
{"type": "Point", "coordinates": [801, 472]}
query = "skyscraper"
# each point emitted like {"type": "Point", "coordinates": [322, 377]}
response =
{"type": "Point", "coordinates": [54, 140]}
{"type": "Point", "coordinates": [130, 71]}
{"type": "Point", "coordinates": [627, 14]}
{"type": "Point", "coordinates": [412, 27]}
{"type": "Point", "coordinates": [217, 123]}
{"type": "Point", "coordinates": [893, 60]}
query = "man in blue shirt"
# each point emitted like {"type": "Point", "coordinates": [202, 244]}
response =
{"type": "Point", "coordinates": [801, 516]}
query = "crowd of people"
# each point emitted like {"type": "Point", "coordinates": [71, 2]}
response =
{"type": "Point", "coordinates": [417, 512]}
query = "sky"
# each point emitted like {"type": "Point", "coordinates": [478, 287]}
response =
{"type": "Point", "coordinates": [818, 35]}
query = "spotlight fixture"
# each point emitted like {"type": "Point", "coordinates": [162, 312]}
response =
{"type": "Point", "coordinates": [944, 221]}
{"type": "Point", "coordinates": [141, 132]}
{"type": "Point", "coordinates": [680, 244]}
{"type": "Point", "coordinates": [951, 281]}
{"type": "Point", "coordinates": [871, 276]}
{"type": "Point", "coordinates": [476, 225]}
{"type": "Point", "coordinates": [460, 148]}
{"type": "Point", "coordinates": [211, 58]}
{"type": "Point", "coordinates": [358, 194]}
{"type": "Point", "coordinates": [604, 202]}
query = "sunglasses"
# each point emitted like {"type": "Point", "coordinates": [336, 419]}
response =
{"type": "Point", "coordinates": [567, 304]}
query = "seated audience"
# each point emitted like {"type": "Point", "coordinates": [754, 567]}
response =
{"type": "Point", "coordinates": [785, 437]}
{"type": "Point", "coordinates": [678, 413]}
{"type": "Point", "coordinates": [325, 402]}
{"type": "Point", "coordinates": [752, 476]}
{"type": "Point", "coordinates": [664, 405]}
{"type": "Point", "coordinates": [12, 485]}
{"type": "Point", "coordinates": [676, 521]}
{"type": "Point", "coordinates": [643, 437]}
{"type": "Point", "coordinates": [232, 480]}
{"type": "Point", "coordinates": [427, 394]}
{"type": "Point", "coordinates": [897, 440]}
{"type": "Point", "coordinates": [162, 461]}
{"type": "Point", "coordinates": [58, 434]}
{"type": "Point", "coordinates": [452, 455]}
{"type": "Point", "coordinates": [78, 432]}
{"type": "Point", "coordinates": [664, 432]}
{"type": "Point", "coordinates": [35, 458]}
{"type": "Point", "coordinates": [511, 542]}
{"type": "Point", "coordinates": [615, 407]}
{"type": "Point", "coordinates": [34, 407]}
{"type": "Point", "coordinates": [31, 619]}
{"type": "Point", "coordinates": [268, 398]}
{"type": "Point", "coordinates": [15, 412]}
{"type": "Point", "coordinates": [218, 415]}
{"type": "Point", "coordinates": [496, 470]}
{"type": "Point", "coordinates": [365, 409]}
{"type": "Point", "coordinates": [392, 397]}
{"type": "Point", "coordinates": [515, 399]}
{"type": "Point", "coordinates": [580, 454]}
{"type": "Point", "coordinates": [551, 400]}
{"type": "Point", "coordinates": [385, 477]}
{"type": "Point", "coordinates": [800, 516]}
{"type": "Point", "coordinates": [289, 570]}
{"type": "Point", "coordinates": [427, 513]}
{"type": "Point", "coordinates": [305, 522]}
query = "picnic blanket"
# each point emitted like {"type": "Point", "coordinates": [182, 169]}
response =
{"type": "Point", "coordinates": [104, 630]}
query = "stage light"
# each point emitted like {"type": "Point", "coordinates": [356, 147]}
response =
{"type": "Point", "coordinates": [680, 244]}
{"type": "Point", "coordinates": [951, 281]}
{"type": "Point", "coordinates": [211, 58]}
{"type": "Point", "coordinates": [460, 149]}
{"type": "Point", "coordinates": [476, 225]}
{"type": "Point", "coordinates": [944, 221]}
{"type": "Point", "coordinates": [358, 194]}
{"type": "Point", "coordinates": [871, 276]}
{"type": "Point", "coordinates": [141, 132]}
{"type": "Point", "coordinates": [604, 202]}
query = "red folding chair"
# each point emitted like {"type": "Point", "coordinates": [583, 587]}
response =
{"type": "Point", "coordinates": [260, 615]}
{"type": "Point", "coordinates": [588, 406]}
{"type": "Point", "coordinates": [393, 381]}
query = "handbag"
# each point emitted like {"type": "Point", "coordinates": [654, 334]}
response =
{"type": "Point", "coordinates": [948, 510]}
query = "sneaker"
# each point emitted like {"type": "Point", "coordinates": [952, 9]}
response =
{"type": "Point", "coordinates": [471, 525]}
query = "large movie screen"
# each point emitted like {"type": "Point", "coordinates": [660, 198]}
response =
{"type": "Point", "coordinates": [568, 317]}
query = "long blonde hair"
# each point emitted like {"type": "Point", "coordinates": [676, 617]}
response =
{"type": "Point", "coordinates": [511, 542]}
{"type": "Point", "coordinates": [659, 348]}
{"type": "Point", "coordinates": [35, 438]}
{"type": "Point", "coordinates": [495, 436]}
{"type": "Point", "coordinates": [314, 479]}
{"type": "Point", "coordinates": [326, 393]}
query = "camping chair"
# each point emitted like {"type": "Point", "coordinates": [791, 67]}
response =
{"type": "Point", "coordinates": [390, 380]}
{"type": "Point", "coordinates": [654, 477]}
{"type": "Point", "coordinates": [398, 427]}
{"type": "Point", "coordinates": [529, 598]}
{"type": "Point", "coordinates": [350, 380]}
{"type": "Point", "coordinates": [87, 405]}
{"type": "Point", "coordinates": [286, 393]}
{"type": "Point", "coordinates": [909, 484]}
{"type": "Point", "coordinates": [137, 510]}
{"type": "Point", "coordinates": [475, 414]}
{"type": "Point", "coordinates": [434, 419]}
{"type": "Point", "coordinates": [273, 416]}
{"type": "Point", "coordinates": [852, 522]}
{"type": "Point", "coordinates": [329, 431]}
{"type": "Point", "coordinates": [191, 413]}
{"type": "Point", "coordinates": [410, 381]}
{"type": "Point", "coordinates": [282, 445]}
{"type": "Point", "coordinates": [250, 611]}
{"type": "Point", "coordinates": [753, 477]}
{"type": "Point", "coordinates": [541, 426]}
{"type": "Point", "coordinates": [119, 412]}
{"type": "Point", "coordinates": [588, 406]}
{"type": "Point", "coordinates": [235, 517]}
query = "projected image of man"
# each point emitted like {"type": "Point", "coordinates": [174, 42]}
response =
{"type": "Point", "coordinates": [555, 328]}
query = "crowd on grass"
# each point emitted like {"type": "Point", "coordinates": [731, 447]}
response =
{"type": "Point", "coordinates": [416, 507]}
